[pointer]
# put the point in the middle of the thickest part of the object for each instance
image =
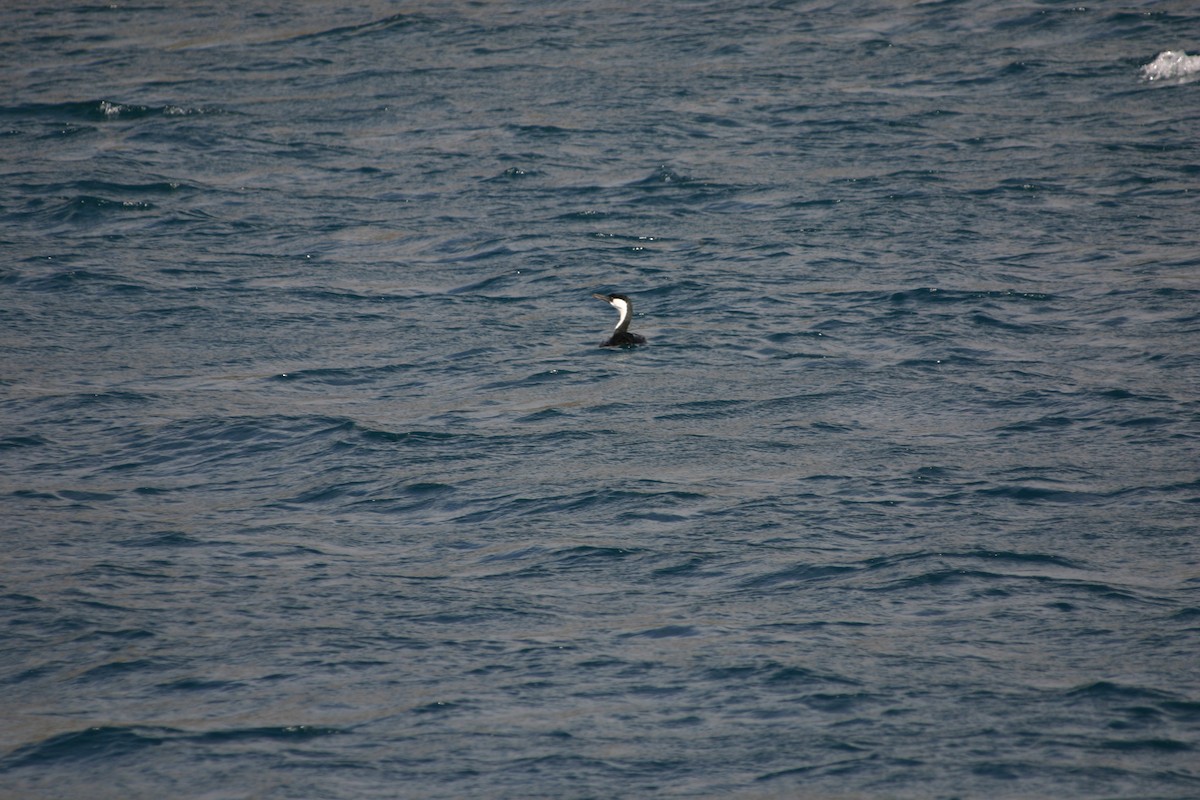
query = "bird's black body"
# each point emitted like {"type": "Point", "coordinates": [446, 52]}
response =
{"type": "Point", "coordinates": [621, 337]}
{"type": "Point", "coordinates": [624, 339]}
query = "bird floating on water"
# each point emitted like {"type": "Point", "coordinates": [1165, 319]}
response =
{"type": "Point", "coordinates": [621, 337]}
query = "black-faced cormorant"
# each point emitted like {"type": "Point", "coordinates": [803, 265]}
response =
{"type": "Point", "coordinates": [621, 336]}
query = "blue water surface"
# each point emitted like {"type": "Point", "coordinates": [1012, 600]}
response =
{"type": "Point", "coordinates": [315, 482]}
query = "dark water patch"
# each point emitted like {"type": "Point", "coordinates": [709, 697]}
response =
{"type": "Point", "coordinates": [703, 409]}
{"type": "Point", "coordinates": [442, 707]}
{"type": "Point", "coordinates": [1040, 494]}
{"type": "Point", "coordinates": [774, 675]}
{"type": "Point", "coordinates": [1191, 614]}
{"type": "Point", "coordinates": [482, 254]}
{"type": "Point", "coordinates": [534, 379]}
{"type": "Point", "coordinates": [93, 187]}
{"type": "Point", "coordinates": [173, 317]}
{"type": "Point", "coordinates": [484, 285]}
{"type": "Point", "coordinates": [537, 562]}
{"type": "Point", "coordinates": [217, 444]}
{"type": "Point", "coordinates": [996, 572]}
{"type": "Point", "coordinates": [797, 574]}
{"type": "Point", "coordinates": [941, 578]}
{"type": "Point", "coordinates": [1111, 691]}
{"type": "Point", "coordinates": [935, 295]}
{"type": "Point", "coordinates": [987, 321]}
{"type": "Point", "coordinates": [1121, 393]}
{"type": "Point", "coordinates": [1089, 592]}
{"type": "Point", "coordinates": [940, 364]}
{"type": "Point", "coordinates": [27, 494]}
{"type": "Point", "coordinates": [35, 675]}
{"type": "Point", "coordinates": [341, 376]}
{"type": "Point", "coordinates": [1148, 745]}
{"type": "Point", "coordinates": [1184, 710]}
{"type": "Point", "coordinates": [118, 670]}
{"type": "Point", "coordinates": [617, 504]}
{"type": "Point", "coordinates": [106, 574]}
{"type": "Point", "coordinates": [839, 703]}
{"type": "Point", "coordinates": [573, 556]}
{"type": "Point", "coordinates": [577, 768]}
{"type": "Point", "coordinates": [812, 626]}
{"type": "Point", "coordinates": [25, 599]}
{"type": "Point", "coordinates": [1015, 558]}
{"type": "Point", "coordinates": [787, 337]}
{"type": "Point", "coordinates": [662, 176]}
{"type": "Point", "coordinates": [91, 744]}
{"type": "Point", "coordinates": [664, 632]}
{"type": "Point", "coordinates": [416, 437]}
{"type": "Point", "coordinates": [77, 496]}
{"type": "Point", "coordinates": [113, 743]}
{"type": "Point", "coordinates": [21, 442]}
{"type": "Point", "coordinates": [165, 539]}
{"type": "Point", "coordinates": [1143, 422]}
{"type": "Point", "coordinates": [95, 402]}
{"type": "Point", "coordinates": [513, 174]}
{"type": "Point", "coordinates": [518, 554]}
{"type": "Point", "coordinates": [539, 132]}
{"type": "Point", "coordinates": [544, 415]}
{"type": "Point", "coordinates": [383, 28]}
{"type": "Point", "coordinates": [827, 767]}
{"type": "Point", "coordinates": [87, 111]}
{"type": "Point", "coordinates": [414, 497]}
{"type": "Point", "coordinates": [689, 568]}
{"type": "Point", "coordinates": [336, 493]}
{"type": "Point", "coordinates": [282, 733]}
{"type": "Point", "coordinates": [479, 615]}
{"type": "Point", "coordinates": [82, 279]}
{"type": "Point", "coordinates": [130, 634]}
{"type": "Point", "coordinates": [200, 685]}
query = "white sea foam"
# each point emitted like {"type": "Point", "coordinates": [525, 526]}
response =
{"type": "Point", "coordinates": [1172, 64]}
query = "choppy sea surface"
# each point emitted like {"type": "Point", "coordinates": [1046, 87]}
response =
{"type": "Point", "coordinates": [314, 482]}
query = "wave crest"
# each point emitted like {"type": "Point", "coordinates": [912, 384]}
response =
{"type": "Point", "coordinates": [1172, 64]}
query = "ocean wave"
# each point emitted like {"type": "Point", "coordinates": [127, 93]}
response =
{"type": "Point", "coordinates": [99, 110]}
{"type": "Point", "coordinates": [86, 210]}
{"type": "Point", "coordinates": [383, 26]}
{"type": "Point", "coordinates": [1172, 65]}
{"type": "Point", "coordinates": [306, 421]}
{"type": "Point", "coordinates": [105, 743]}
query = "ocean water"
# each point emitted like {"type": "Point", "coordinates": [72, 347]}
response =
{"type": "Point", "coordinates": [315, 482]}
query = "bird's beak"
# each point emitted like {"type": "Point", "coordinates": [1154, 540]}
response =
{"type": "Point", "coordinates": [603, 297]}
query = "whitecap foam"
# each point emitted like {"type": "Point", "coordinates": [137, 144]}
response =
{"type": "Point", "coordinates": [1171, 64]}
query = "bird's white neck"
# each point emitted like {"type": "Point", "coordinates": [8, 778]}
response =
{"type": "Point", "coordinates": [623, 307]}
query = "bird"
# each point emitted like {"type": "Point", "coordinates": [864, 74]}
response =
{"type": "Point", "coordinates": [621, 337]}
